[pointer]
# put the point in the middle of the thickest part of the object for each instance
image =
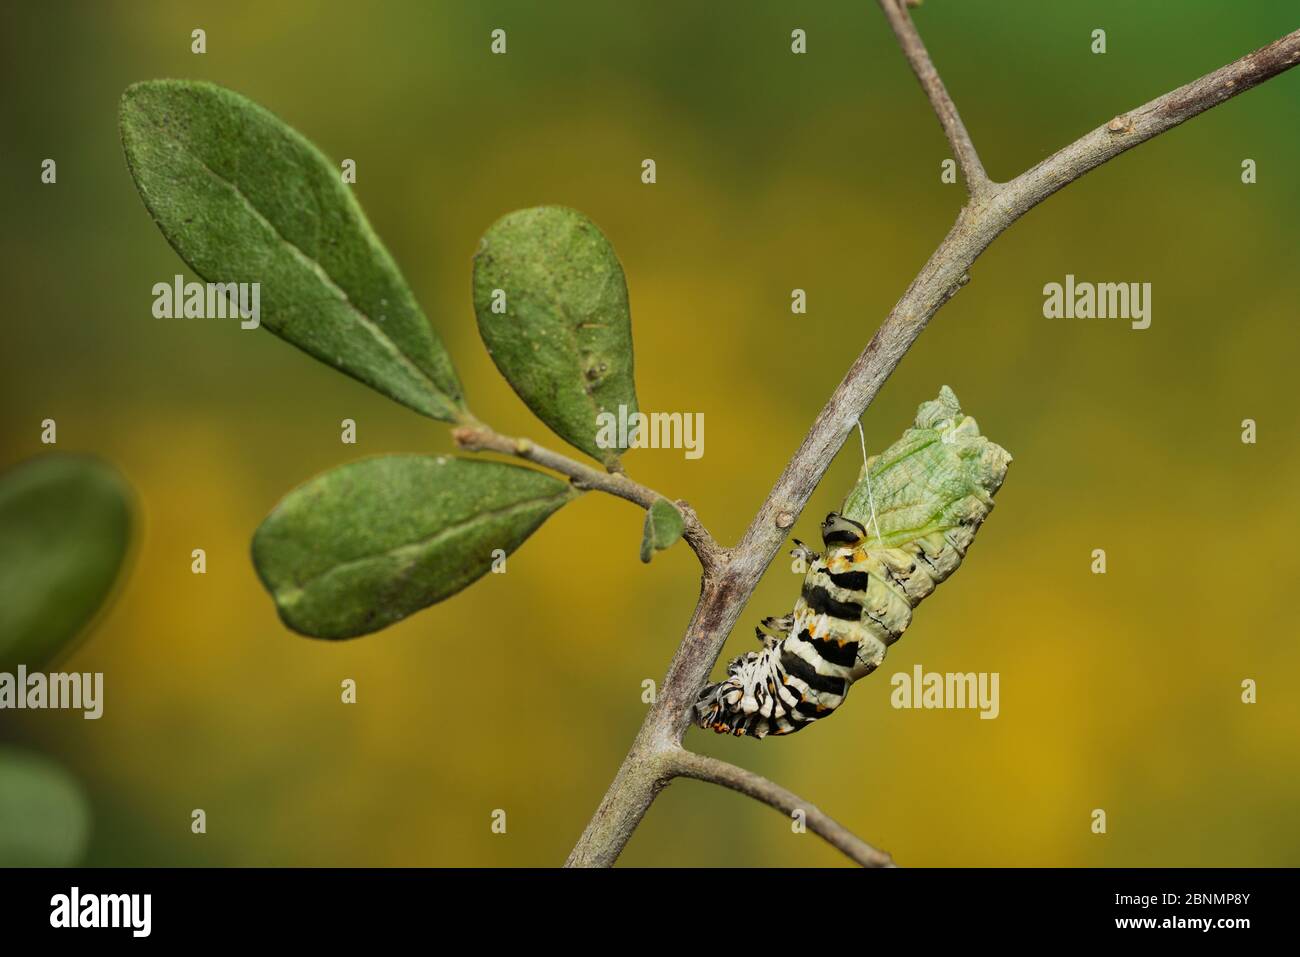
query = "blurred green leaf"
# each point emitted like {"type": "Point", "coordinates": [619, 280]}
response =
{"type": "Point", "coordinates": [242, 197]}
{"type": "Point", "coordinates": [64, 525]}
{"type": "Point", "coordinates": [44, 815]}
{"type": "Point", "coordinates": [368, 543]}
{"type": "Point", "coordinates": [663, 527]}
{"type": "Point", "coordinates": [563, 335]}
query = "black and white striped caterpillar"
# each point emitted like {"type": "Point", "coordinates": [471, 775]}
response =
{"type": "Point", "coordinates": [923, 499]}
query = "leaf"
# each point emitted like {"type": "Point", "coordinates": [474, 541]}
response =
{"type": "Point", "coordinates": [44, 815]}
{"type": "Point", "coordinates": [941, 475]}
{"type": "Point", "coordinates": [244, 198]}
{"type": "Point", "coordinates": [663, 527]}
{"type": "Point", "coordinates": [564, 341]}
{"type": "Point", "coordinates": [65, 521]}
{"type": "Point", "coordinates": [366, 544]}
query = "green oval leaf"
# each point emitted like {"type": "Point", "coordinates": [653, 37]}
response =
{"type": "Point", "coordinates": [663, 527]}
{"type": "Point", "coordinates": [44, 815]}
{"type": "Point", "coordinates": [242, 197]}
{"type": "Point", "coordinates": [64, 525]}
{"type": "Point", "coordinates": [368, 543]}
{"type": "Point", "coordinates": [562, 336]}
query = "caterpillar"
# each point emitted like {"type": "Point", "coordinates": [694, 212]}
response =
{"type": "Point", "coordinates": [904, 528]}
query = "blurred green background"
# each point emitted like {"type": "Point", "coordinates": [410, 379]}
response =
{"type": "Point", "coordinates": [775, 171]}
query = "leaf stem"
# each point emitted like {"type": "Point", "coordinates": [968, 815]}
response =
{"type": "Point", "coordinates": [482, 438]}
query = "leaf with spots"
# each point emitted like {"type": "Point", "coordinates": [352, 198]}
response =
{"type": "Point", "coordinates": [367, 544]}
{"type": "Point", "coordinates": [552, 308]}
{"type": "Point", "coordinates": [242, 197]}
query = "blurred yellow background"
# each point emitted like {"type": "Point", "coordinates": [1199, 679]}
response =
{"type": "Point", "coordinates": [775, 171]}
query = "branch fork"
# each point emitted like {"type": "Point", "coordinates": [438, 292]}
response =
{"type": "Point", "coordinates": [730, 575]}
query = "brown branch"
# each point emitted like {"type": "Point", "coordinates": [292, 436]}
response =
{"type": "Point", "coordinates": [481, 438]}
{"type": "Point", "coordinates": [727, 589]}
{"type": "Point", "coordinates": [977, 181]}
{"type": "Point", "coordinates": [1127, 130]}
{"type": "Point", "coordinates": [688, 764]}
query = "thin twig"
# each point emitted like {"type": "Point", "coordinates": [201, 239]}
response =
{"type": "Point", "coordinates": [977, 181]}
{"type": "Point", "coordinates": [481, 438]}
{"type": "Point", "coordinates": [688, 764]}
{"type": "Point", "coordinates": [724, 594]}
{"type": "Point", "coordinates": [1127, 130]}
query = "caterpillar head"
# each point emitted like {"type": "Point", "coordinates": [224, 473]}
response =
{"type": "Point", "coordinates": [838, 531]}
